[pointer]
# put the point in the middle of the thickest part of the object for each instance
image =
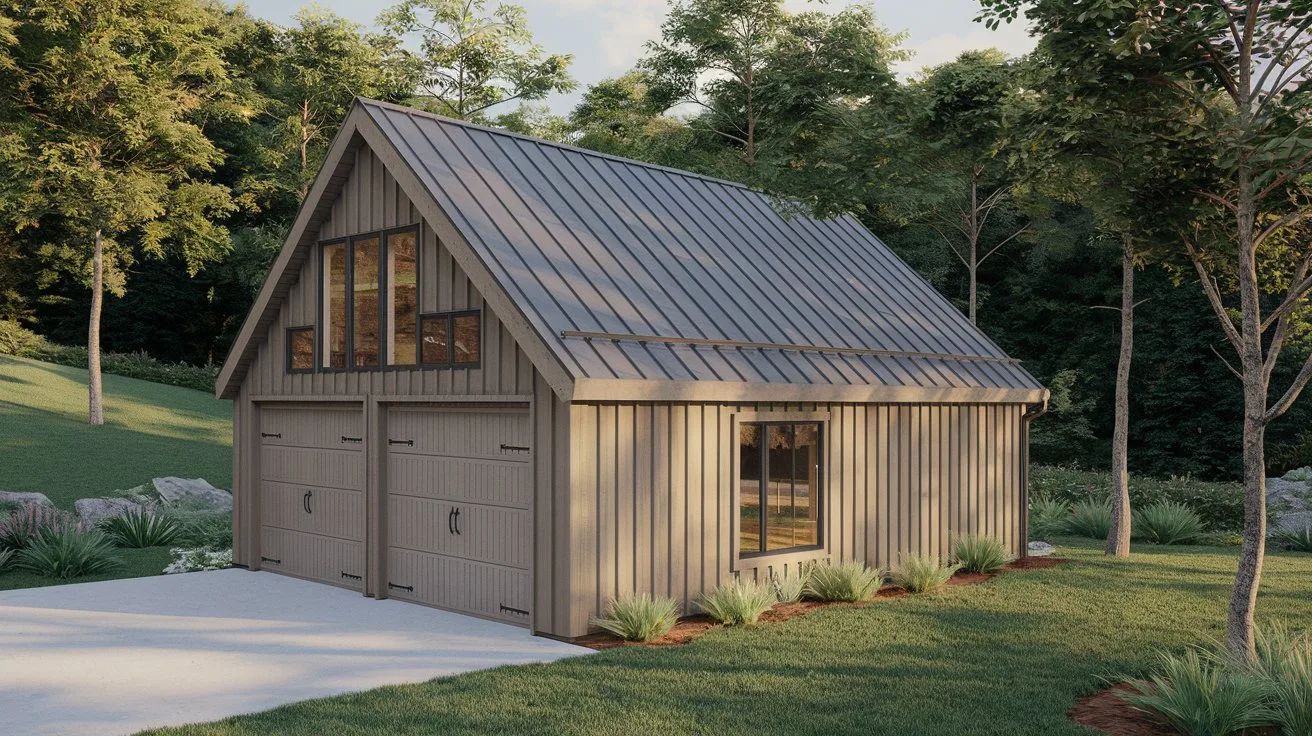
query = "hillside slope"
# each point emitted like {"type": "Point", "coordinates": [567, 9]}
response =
{"type": "Point", "coordinates": [150, 430]}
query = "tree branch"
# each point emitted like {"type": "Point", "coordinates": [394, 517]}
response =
{"type": "Point", "coordinates": [1295, 388]}
{"type": "Point", "coordinates": [1214, 297]}
{"type": "Point", "coordinates": [1218, 354]}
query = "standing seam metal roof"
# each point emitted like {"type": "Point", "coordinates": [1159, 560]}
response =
{"type": "Point", "coordinates": [587, 242]}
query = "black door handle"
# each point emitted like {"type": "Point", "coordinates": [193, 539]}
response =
{"type": "Point", "coordinates": [352, 439]}
{"type": "Point", "coordinates": [277, 435]}
{"type": "Point", "coordinates": [305, 502]}
{"type": "Point", "coordinates": [407, 443]}
{"type": "Point", "coordinates": [457, 519]}
{"type": "Point", "coordinates": [451, 520]}
{"type": "Point", "coordinates": [409, 588]}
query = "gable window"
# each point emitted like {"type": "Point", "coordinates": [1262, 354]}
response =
{"type": "Point", "coordinates": [450, 339]}
{"type": "Point", "coordinates": [780, 495]}
{"type": "Point", "coordinates": [402, 278]}
{"type": "Point", "coordinates": [334, 305]}
{"type": "Point", "coordinates": [300, 349]}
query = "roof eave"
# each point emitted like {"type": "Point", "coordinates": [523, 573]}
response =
{"type": "Point", "coordinates": [606, 389]}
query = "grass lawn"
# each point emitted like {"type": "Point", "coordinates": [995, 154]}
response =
{"type": "Point", "coordinates": [1007, 657]}
{"type": "Point", "coordinates": [137, 563]}
{"type": "Point", "coordinates": [150, 430]}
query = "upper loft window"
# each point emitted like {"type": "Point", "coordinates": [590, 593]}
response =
{"type": "Point", "coordinates": [370, 308]}
{"type": "Point", "coordinates": [780, 494]}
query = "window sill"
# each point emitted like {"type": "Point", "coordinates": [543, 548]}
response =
{"type": "Point", "coordinates": [782, 557]}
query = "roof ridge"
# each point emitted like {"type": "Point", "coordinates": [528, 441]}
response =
{"type": "Point", "coordinates": [556, 144]}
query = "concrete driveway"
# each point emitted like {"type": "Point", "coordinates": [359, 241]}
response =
{"type": "Point", "coordinates": [118, 656]}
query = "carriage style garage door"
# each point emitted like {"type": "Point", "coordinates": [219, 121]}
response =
{"type": "Point", "coordinates": [458, 485]}
{"type": "Point", "coordinates": [312, 481]}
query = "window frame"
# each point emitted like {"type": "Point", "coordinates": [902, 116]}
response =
{"type": "Point", "coordinates": [314, 348]}
{"type": "Point", "coordinates": [747, 559]}
{"type": "Point", "coordinates": [384, 295]}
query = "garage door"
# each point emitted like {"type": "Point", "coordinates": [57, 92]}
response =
{"type": "Point", "coordinates": [312, 492]}
{"type": "Point", "coordinates": [458, 490]}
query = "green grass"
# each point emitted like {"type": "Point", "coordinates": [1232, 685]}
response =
{"type": "Point", "coordinates": [1007, 657]}
{"type": "Point", "coordinates": [150, 430]}
{"type": "Point", "coordinates": [136, 563]}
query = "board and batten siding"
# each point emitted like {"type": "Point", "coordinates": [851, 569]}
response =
{"type": "Point", "coordinates": [651, 503]}
{"type": "Point", "coordinates": [371, 200]}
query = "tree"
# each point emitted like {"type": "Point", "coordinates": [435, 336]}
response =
{"type": "Point", "coordinates": [471, 61]}
{"type": "Point", "coordinates": [100, 148]}
{"type": "Point", "coordinates": [1240, 76]}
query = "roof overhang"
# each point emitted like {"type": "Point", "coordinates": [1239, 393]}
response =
{"type": "Point", "coordinates": [600, 390]}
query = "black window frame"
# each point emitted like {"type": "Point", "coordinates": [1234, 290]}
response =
{"type": "Point", "coordinates": [763, 473]}
{"type": "Point", "coordinates": [314, 348]}
{"type": "Point", "coordinates": [450, 317]}
{"type": "Point", "coordinates": [321, 332]}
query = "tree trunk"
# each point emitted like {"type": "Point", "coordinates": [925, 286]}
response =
{"type": "Point", "coordinates": [1118, 541]}
{"type": "Point", "coordinates": [750, 154]}
{"type": "Point", "coordinates": [95, 393]}
{"type": "Point", "coordinates": [972, 226]}
{"type": "Point", "coordinates": [1243, 598]}
{"type": "Point", "coordinates": [304, 188]}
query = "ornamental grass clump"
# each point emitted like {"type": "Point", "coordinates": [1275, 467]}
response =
{"type": "Point", "coordinates": [850, 582]}
{"type": "Point", "coordinates": [789, 589]}
{"type": "Point", "coordinates": [67, 553]}
{"type": "Point", "coordinates": [1168, 522]}
{"type": "Point", "coordinates": [1284, 666]}
{"type": "Point", "coordinates": [30, 520]}
{"type": "Point", "coordinates": [639, 617]}
{"type": "Point", "coordinates": [922, 573]}
{"type": "Point", "coordinates": [980, 553]}
{"type": "Point", "coordinates": [1049, 517]}
{"type": "Point", "coordinates": [1295, 540]}
{"type": "Point", "coordinates": [140, 529]}
{"type": "Point", "coordinates": [1198, 694]}
{"type": "Point", "coordinates": [738, 602]}
{"type": "Point", "coordinates": [1089, 518]}
{"type": "Point", "coordinates": [6, 558]}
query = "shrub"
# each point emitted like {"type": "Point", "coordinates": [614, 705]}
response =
{"type": "Point", "coordinates": [139, 529]}
{"type": "Point", "coordinates": [16, 339]}
{"type": "Point", "coordinates": [850, 582]}
{"type": "Point", "coordinates": [979, 553]}
{"type": "Point", "coordinates": [1295, 540]}
{"type": "Point", "coordinates": [1091, 519]}
{"type": "Point", "coordinates": [1196, 694]}
{"type": "Point", "coordinates": [204, 530]}
{"type": "Point", "coordinates": [67, 553]}
{"type": "Point", "coordinates": [1284, 665]}
{"type": "Point", "coordinates": [198, 559]}
{"type": "Point", "coordinates": [789, 589]}
{"type": "Point", "coordinates": [1048, 517]}
{"type": "Point", "coordinates": [1221, 539]}
{"type": "Point", "coordinates": [922, 573]}
{"type": "Point", "coordinates": [1167, 522]}
{"type": "Point", "coordinates": [1220, 505]}
{"type": "Point", "coordinates": [31, 519]}
{"type": "Point", "coordinates": [738, 602]}
{"type": "Point", "coordinates": [133, 365]}
{"type": "Point", "coordinates": [6, 557]}
{"type": "Point", "coordinates": [639, 617]}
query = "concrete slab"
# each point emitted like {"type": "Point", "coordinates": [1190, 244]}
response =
{"type": "Point", "coordinates": [119, 656]}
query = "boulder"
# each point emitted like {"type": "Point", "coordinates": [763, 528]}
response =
{"type": "Point", "coordinates": [1289, 502]}
{"type": "Point", "coordinates": [19, 498]}
{"type": "Point", "coordinates": [194, 494]}
{"type": "Point", "coordinates": [91, 511]}
{"type": "Point", "coordinates": [1041, 549]}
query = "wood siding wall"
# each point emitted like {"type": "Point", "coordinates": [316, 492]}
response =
{"type": "Point", "coordinates": [652, 505]}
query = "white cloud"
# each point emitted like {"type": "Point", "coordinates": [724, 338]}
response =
{"type": "Point", "coordinates": [1011, 38]}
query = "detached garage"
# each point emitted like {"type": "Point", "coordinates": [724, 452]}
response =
{"type": "Point", "coordinates": [513, 378]}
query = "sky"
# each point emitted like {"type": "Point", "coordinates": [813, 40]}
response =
{"type": "Point", "coordinates": [607, 36]}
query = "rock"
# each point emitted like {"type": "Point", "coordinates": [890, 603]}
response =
{"type": "Point", "coordinates": [195, 494]}
{"type": "Point", "coordinates": [91, 511]}
{"type": "Point", "coordinates": [19, 498]}
{"type": "Point", "coordinates": [1041, 549]}
{"type": "Point", "coordinates": [1302, 475]}
{"type": "Point", "coordinates": [1289, 503]}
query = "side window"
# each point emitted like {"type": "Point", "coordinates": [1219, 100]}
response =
{"type": "Point", "coordinates": [334, 305]}
{"type": "Point", "coordinates": [365, 282]}
{"type": "Point", "coordinates": [402, 278]}
{"type": "Point", "coordinates": [451, 339]}
{"type": "Point", "coordinates": [780, 494]}
{"type": "Point", "coordinates": [300, 349]}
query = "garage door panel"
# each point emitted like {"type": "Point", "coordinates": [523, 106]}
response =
{"type": "Point", "coordinates": [318, 510]}
{"type": "Point", "coordinates": [310, 426]}
{"type": "Point", "coordinates": [487, 533]}
{"type": "Point", "coordinates": [503, 434]}
{"type": "Point", "coordinates": [313, 467]}
{"type": "Point", "coordinates": [314, 556]}
{"type": "Point", "coordinates": [450, 582]}
{"type": "Point", "coordinates": [470, 480]}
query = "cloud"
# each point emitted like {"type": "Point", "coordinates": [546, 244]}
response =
{"type": "Point", "coordinates": [1012, 38]}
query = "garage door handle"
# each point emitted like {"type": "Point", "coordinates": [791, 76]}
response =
{"type": "Point", "coordinates": [451, 520]}
{"type": "Point", "coordinates": [270, 559]}
{"type": "Point", "coordinates": [508, 609]}
{"type": "Point", "coordinates": [349, 576]}
{"type": "Point", "coordinates": [407, 588]}
{"type": "Point", "coordinates": [516, 448]}
{"type": "Point", "coordinates": [456, 519]}
{"type": "Point", "coordinates": [407, 443]}
{"type": "Point", "coordinates": [352, 439]}
{"type": "Point", "coordinates": [271, 434]}
{"type": "Point", "coordinates": [306, 502]}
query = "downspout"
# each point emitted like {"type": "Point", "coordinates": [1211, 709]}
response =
{"type": "Point", "coordinates": [1029, 416]}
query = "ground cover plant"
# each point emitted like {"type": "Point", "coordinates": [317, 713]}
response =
{"type": "Point", "coordinates": [67, 553]}
{"type": "Point", "coordinates": [1167, 522]}
{"type": "Point", "coordinates": [850, 582]}
{"type": "Point", "coordinates": [738, 602]}
{"type": "Point", "coordinates": [1090, 518]}
{"type": "Point", "coordinates": [639, 617]}
{"type": "Point", "coordinates": [139, 528]}
{"type": "Point", "coordinates": [922, 573]}
{"type": "Point", "coordinates": [790, 588]}
{"type": "Point", "coordinates": [980, 553]}
{"type": "Point", "coordinates": [1220, 505]}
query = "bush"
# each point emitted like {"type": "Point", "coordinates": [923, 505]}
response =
{"type": "Point", "coordinates": [1198, 695]}
{"type": "Point", "coordinates": [1048, 517]}
{"type": "Point", "coordinates": [203, 529]}
{"type": "Point", "coordinates": [1285, 668]}
{"type": "Point", "coordinates": [850, 582]}
{"type": "Point", "coordinates": [1167, 522]}
{"type": "Point", "coordinates": [6, 557]}
{"type": "Point", "coordinates": [922, 573]}
{"type": "Point", "coordinates": [1219, 505]}
{"type": "Point", "coordinates": [979, 553]}
{"type": "Point", "coordinates": [1221, 539]}
{"type": "Point", "coordinates": [140, 529]}
{"type": "Point", "coordinates": [67, 553]}
{"type": "Point", "coordinates": [198, 559]}
{"type": "Point", "coordinates": [31, 519]}
{"type": "Point", "coordinates": [639, 617]}
{"type": "Point", "coordinates": [16, 339]}
{"type": "Point", "coordinates": [738, 602]}
{"type": "Point", "coordinates": [1091, 519]}
{"type": "Point", "coordinates": [1295, 540]}
{"type": "Point", "coordinates": [790, 589]}
{"type": "Point", "coordinates": [132, 365]}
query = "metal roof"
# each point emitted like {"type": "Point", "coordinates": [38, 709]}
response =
{"type": "Point", "coordinates": [635, 272]}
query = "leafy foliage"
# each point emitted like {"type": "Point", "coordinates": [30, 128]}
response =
{"type": "Point", "coordinates": [132, 365]}
{"type": "Point", "coordinates": [67, 553]}
{"type": "Point", "coordinates": [922, 573]}
{"type": "Point", "coordinates": [1167, 523]}
{"type": "Point", "coordinates": [849, 582]}
{"type": "Point", "coordinates": [18, 340]}
{"type": "Point", "coordinates": [198, 559]}
{"type": "Point", "coordinates": [639, 617]}
{"type": "Point", "coordinates": [6, 558]}
{"type": "Point", "coordinates": [980, 553]}
{"type": "Point", "coordinates": [204, 530]}
{"type": "Point", "coordinates": [1299, 540]}
{"type": "Point", "coordinates": [1220, 506]}
{"type": "Point", "coordinates": [738, 602]}
{"type": "Point", "coordinates": [1284, 665]}
{"type": "Point", "coordinates": [140, 529]}
{"type": "Point", "coordinates": [1048, 516]}
{"type": "Point", "coordinates": [1196, 694]}
{"type": "Point", "coordinates": [30, 520]}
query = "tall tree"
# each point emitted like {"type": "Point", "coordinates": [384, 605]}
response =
{"type": "Point", "coordinates": [100, 147]}
{"type": "Point", "coordinates": [1240, 72]}
{"type": "Point", "coordinates": [472, 61]}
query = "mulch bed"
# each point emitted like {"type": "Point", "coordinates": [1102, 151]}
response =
{"type": "Point", "coordinates": [1107, 712]}
{"type": "Point", "coordinates": [691, 627]}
